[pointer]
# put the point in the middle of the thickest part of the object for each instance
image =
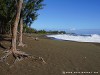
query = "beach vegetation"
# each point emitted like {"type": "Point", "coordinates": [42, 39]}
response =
{"type": "Point", "coordinates": [14, 14]}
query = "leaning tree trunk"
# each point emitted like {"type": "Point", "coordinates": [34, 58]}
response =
{"type": "Point", "coordinates": [15, 26]}
{"type": "Point", "coordinates": [21, 33]}
{"type": "Point", "coordinates": [19, 55]}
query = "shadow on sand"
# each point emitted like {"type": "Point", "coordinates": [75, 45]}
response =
{"type": "Point", "coordinates": [4, 38]}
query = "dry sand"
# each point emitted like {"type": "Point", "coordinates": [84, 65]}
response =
{"type": "Point", "coordinates": [61, 57]}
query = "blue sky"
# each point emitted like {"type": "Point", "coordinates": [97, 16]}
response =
{"type": "Point", "coordinates": [69, 15]}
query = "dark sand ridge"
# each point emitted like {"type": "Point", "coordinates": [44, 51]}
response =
{"type": "Point", "coordinates": [60, 56]}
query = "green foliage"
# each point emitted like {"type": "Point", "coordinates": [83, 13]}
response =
{"type": "Point", "coordinates": [56, 32]}
{"type": "Point", "coordinates": [8, 12]}
{"type": "Point", "coordinates": [7, 9]}
{"type": "Point", "coordinates": [42, 32]}
{"type": "Point", "coordinates": [29, 30]}
{"type": "Point", "coordinates": [50, 32]}
{"type": "Point", "coordinates": [30, 10]}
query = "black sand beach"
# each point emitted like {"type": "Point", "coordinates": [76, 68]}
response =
{"type": "Point", "coordinates": [62, 58]}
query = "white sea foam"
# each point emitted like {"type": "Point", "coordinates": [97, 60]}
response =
{"type": "Point", "coordinates": [93, 38]}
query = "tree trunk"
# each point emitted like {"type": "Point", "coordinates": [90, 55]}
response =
{"type": "Point", "coordinates": [21, 33]}
{"type": "Point", "coordinates": [15, 26]}
{"type": "Point", "coordinates": [10, 29]}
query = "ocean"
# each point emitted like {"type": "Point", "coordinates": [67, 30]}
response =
{"type": "Point", "coordinates": [80, 36]}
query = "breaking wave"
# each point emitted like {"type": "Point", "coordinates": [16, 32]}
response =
{"type": "Point", "coordinates": [79, 38]}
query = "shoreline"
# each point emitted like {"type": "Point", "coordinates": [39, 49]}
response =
{"type": "Point", "coordinates": [60, 56]}
{"type": "Point", "coordinates": [53, 38]}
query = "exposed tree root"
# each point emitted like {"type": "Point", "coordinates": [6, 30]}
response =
{"type": "Point", "coordinates": [19, 55]}
{"type": "Point", "coordinates": [21, 44]}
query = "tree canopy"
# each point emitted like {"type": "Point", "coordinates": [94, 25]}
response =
{"type": "Point", "coordinates": [12, 14]}
{"type": "Point", "coordinates": [8, 11]}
